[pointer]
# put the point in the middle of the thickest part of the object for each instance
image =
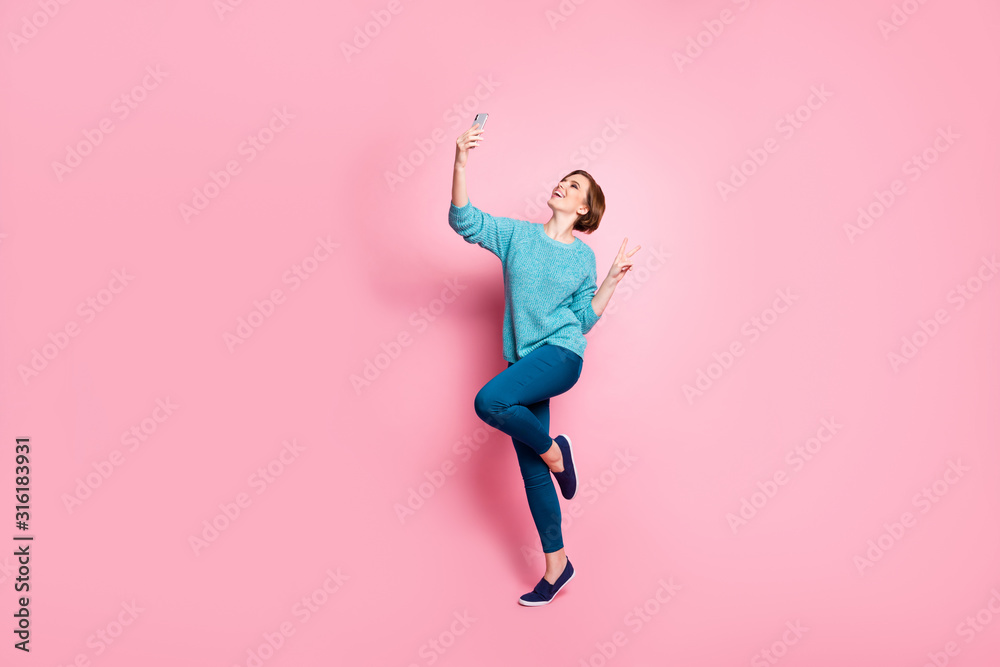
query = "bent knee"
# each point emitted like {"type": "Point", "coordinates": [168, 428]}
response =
{"type": "Point", "coordinates": [485, 404]}
{"type": "Point", "coordinates": [488, 404]}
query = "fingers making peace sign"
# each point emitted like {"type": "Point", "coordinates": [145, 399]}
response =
{"type": "Point", "coordinates": [622, 262]}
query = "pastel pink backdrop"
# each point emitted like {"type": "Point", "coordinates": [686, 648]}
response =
{"type": "Point", "coordinates": [661, 135]}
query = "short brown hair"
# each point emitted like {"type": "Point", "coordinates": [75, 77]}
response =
{"type": "Point", "coordinates": [589, 221]}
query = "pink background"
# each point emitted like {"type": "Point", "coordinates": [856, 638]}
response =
{"type": "Point", "coordinates": [660, 138]}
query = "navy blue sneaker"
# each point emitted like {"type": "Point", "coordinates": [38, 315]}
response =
{"type": "Point", "coordinates": [544, 591]}
{"type": "Point", "coordinates": [566, 478]}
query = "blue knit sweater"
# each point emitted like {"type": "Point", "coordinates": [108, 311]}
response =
{"type": "Point", "coordinates": [548, 284]}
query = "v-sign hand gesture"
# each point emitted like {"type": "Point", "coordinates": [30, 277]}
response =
{"type": "Point", "coordinates": [622, 262]}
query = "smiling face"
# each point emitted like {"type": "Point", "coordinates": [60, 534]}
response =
{"type": "Point", "coordinates": [570, 196]}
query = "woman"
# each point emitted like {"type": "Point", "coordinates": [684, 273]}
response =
{"type": "Point", "coordinates": [552, 300]}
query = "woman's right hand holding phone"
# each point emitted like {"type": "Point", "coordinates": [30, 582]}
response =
{"type": "Point", "coordinates": [469, 139]}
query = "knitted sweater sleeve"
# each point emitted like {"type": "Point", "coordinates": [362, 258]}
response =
{"type": "Point", "coordinates": [476, 226]}
{"type": "Point", "coordinates": [581, 304]}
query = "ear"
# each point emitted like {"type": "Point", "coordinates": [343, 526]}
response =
{"type": "Point", "coordinates": [582, 210]}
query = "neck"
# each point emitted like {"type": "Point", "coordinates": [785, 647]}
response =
{"type": "Point", "coordinates": [560, 227]}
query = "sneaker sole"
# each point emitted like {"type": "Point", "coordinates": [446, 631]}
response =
{"type": "Point", "coordinates": [541, 604]}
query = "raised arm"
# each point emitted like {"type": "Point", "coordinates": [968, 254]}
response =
{"type": "Point", "coordinates": [469, 139]}
{"type": "Point", "coordinates": [475, 226]}
{"type": "Point", "coordinates": [619, 268]}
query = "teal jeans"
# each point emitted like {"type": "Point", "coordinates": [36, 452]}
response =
{"type": "Point", "coordinates": [516, 402]}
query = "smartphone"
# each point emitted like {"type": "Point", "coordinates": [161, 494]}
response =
{"type": "Point", "coordinates": [481, 119]}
